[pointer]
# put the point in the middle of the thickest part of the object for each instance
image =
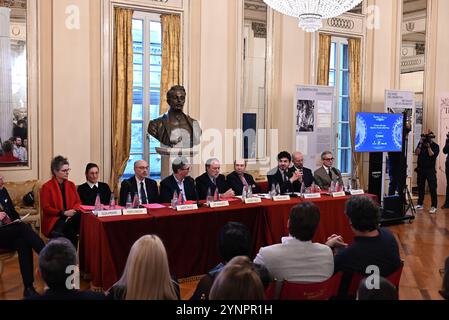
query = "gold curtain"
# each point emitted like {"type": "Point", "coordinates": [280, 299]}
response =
{"type": "Point", "coordinates": [324, 60]}
{"type": "Point", "coordinates": [171, 56]}
{"type": "Point", "coordinates": [122, 93]}
{"type": "Point", "coordinates": [355, 102]}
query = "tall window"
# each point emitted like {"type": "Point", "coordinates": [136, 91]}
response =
{"type": "Point", "coordinates": [147, 81]}
{"type": "Point", "coordinates": [339, 78]}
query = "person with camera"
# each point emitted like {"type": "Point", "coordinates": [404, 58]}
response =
{"type": "Point", "coordinates": [446, 151]}
{"type": "Point", "coordinates": [427, 152]}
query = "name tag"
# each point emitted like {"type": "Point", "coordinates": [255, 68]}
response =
{"type": "Point", "coordinates": [133, 212]}
{"type": "Point", "coordinates": [281, 198]}
{"type": "Point", "coordinates": [338, 194]}
{"type": "Point", "coordinates": [357, 192]}
{"type": "Point", "coordinates": [312, 195]}
{"type": "Point", "coordinates": [252, 200]}
{"type": "Point", "coordinates": [107, 213]}
{"type": "Point", "coordinates": [187, 207]}
{"type": "Point", "coordinates": [219, 204]}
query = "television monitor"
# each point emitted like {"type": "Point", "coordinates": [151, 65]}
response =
{"type": "Point", "coordinates": [379, 132]}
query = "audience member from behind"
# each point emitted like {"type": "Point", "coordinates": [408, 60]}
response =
{"type": "Point", "coordinates": [238, 280]}
{"type": "Point", "coordinates": [445, 289]}
{"type": "Point", "coordinates": [385, 290]}
{"type": "Point", "coordinates": [297, 258]}
{"type": "Point", "coordinates": [372, 246]}
{"type": "Point", "coordinates": [234, 240]}
{"type": "Point", "coordinates": [60, 204]}
{"type": "Point", "coordinates": [88, 191]}
{"type": "Point", "coordinates": [146, 275]}
{"type": "Point", "coordinates": [57, 266]}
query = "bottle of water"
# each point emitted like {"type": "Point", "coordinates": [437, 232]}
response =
{"type": "Point", "coordinates": [112, 202]}
{"type": "Point", "coordinates": [337, 186]}
{"type": "Point", "coordinates": [129, 202]}
{"type": "Point", "coordinates": [98, 205]}
{"type": "Point", "coordinates": [302, 189]}
{"type": "Point", "coordinates": [332, 187]}
{"type": "Point", "coordinates": [174, 200]}
{"type": "Point", "coordinates": [273, 191]}
{"type": "Point", "coordinates": [278, 189]}
{"type": "Point", "coordinates": [313, 188]}
{"type": "Point", "coordinates": [181, 201]}
{"type": "Point", "coordinates": [209, 197]}
{"type": "Point", "coordinates": [244, 193]}
{"type": "Point", "coordinates": [249, 194]}
{"type": "Point", "coordinates": [216, 195]}
{"type": "Point", "coordinates": [136, 201]}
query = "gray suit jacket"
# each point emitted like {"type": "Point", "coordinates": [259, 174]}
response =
{"type": "Point", "coordinates": [323, 180]}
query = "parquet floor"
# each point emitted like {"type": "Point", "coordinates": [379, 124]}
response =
{"type": "Point", "coordinates": [424, 245]}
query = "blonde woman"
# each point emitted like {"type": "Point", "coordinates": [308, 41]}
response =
{"type": "Point", "coordinates": [146, 275]}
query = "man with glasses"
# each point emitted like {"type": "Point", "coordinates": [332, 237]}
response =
{"type": "Point", "coordinates": [179, 181]}
{"type": "Point", "coordinates": [140, 185]}
{"type": "Point", "coordinates": [327, 173]}
{"type": "Point", "coordinates": [239, 179]}
{"type": "Point", "coordinates": [211, 180]}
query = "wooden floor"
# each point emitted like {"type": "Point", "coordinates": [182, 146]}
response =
{"type": "Point", "coordinates": [424, 245]}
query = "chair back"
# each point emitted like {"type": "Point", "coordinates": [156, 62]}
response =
{"type": "Point", "coordinates": [287, 290]}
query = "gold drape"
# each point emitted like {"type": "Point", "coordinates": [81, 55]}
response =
{"type": "Point", "coordinates": [355, 102]}
{"type": "Point", "coordinates": [122, 93]}
{"type": "Point", "coordinates": [324, 60]}
{"type": "Point", "coordinates": [171, 56]}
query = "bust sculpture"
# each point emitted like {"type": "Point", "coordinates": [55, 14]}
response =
{"type": "Point", "coordinates": [175, 129]}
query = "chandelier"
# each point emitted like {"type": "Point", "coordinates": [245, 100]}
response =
{"type": "Point", "coordinates": [311, 12]}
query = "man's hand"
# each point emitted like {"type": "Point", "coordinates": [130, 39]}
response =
{"type": "Point", "coordinates": [297, 175]}
{"type": "Point", "coordinates": [70, 213]}
{"type": "Point", "coordinates": [335, 241]}
{"type": "Point", "coordinates": [228, 194]}
{"type": "Point", "coordinates": [2, 215]}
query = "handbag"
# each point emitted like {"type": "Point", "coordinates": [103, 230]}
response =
{"type": "Point", "coordinates": [28, 199]}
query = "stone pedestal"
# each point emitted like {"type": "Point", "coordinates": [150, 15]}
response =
{"type": "Point", "coordinates": [169, 154]}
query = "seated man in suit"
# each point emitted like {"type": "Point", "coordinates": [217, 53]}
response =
{"type": "Point", "coordinates": [140, 185]}
{"type": "Point", "coordinates": [211, 180]}
{"type": "Point", "coordinates": [281, 175]}
{"type": "Point", "coordinates": [326, 174]}
{"type": "Point", "coordinates": [305, 174]}
{"type": "Point", "coordinates": [88, 191]}
{"type": "Point", "coordinates": [179, 181]}
{"type": "Point", "coordinates": [238, 179]}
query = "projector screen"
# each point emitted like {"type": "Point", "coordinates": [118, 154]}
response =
{"type": "Point", "coordinates": [378, 132]}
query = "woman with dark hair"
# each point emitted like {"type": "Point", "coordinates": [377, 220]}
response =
{"type": "Point", "coordinates": [8, 155]}
{"type": "Point", "coordinates": [60, 204]}
{"type": "Point", "coordinates": [88, 191]}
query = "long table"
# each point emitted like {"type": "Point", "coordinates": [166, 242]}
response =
{"type": "Point", "coordinates": [191, 237]}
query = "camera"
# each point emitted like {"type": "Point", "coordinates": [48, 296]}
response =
{"type": "Point", "coordinates": [427, 139]}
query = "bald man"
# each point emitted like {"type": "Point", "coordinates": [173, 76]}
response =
{"type": "Point", "coordinates": [139, 184]}
{"type": "Point", "coordinates": [306, 175]}
{"type": "Point", "coordinates": [237, 179]}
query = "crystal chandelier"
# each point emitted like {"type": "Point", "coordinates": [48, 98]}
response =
{"type": "Point", "coordinates": [311, 12]}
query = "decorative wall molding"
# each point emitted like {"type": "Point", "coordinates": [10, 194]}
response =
{"type": "Point", "coordinates": [18, 31]}
{"type": "Point", "coordinates": [348, 23]}
{"type": "Point", "coordinates": [413, 63]}
{"type": "Point", "coordinates": [162, 4]}
{"type": "Point", "coordinates": [260, 29]}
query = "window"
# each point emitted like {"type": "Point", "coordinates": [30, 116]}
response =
{"type": "Point", "coordinates": [147, 38]}
{"type": "Point", "coordinates": [339, 78]}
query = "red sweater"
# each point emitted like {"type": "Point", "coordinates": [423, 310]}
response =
{"type": "Point", "coordinates": [52, 205]}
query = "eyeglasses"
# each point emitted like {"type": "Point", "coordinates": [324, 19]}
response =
{"type": "Point", "coordinates": [66, 170]}
{"type": "Point", "coordinates": [328, 159]}
{"type": "Point", "coordinates": [143, 168]}
{"type": "Point", "coordinates": [185, 169]}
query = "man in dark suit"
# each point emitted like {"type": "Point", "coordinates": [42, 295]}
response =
{"type": "Point", "coordinates": [305, 174]}
{"type": "Point", "coordinates": [179, 181]}
{"type": "Point", "coordinates": [211, 180]}
{"type": "Point", "coordinates": [88, 191]}
{"type": "Point", "coordinates": [281, 175]}
{"type": "Point", "coordinates": [58, 267]}
{"type": "Point", "coordinates": [238, 179]}
{"type": "Point", "coordinates": [140, 185]}
{"type": "Point", "coordinates": [327, 173]}
{"type": "Point", "coordinates": [18, 236]}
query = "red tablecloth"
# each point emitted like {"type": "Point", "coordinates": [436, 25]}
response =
{"type": "Point", "coordinates": [191, 237]}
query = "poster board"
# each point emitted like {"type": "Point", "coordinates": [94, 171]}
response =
{"type": "Point", "coordinates": [313, 123]}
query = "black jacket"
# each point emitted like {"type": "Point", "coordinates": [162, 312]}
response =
{"type": "Point", "coordinates": [88, 195]}
{"type": "Point", "coordinates": [169, 185]}
{"type": "Point", "coordinates": [276, 178]}
{"type": "Point", "coordinates": [236, 184]}
{"type": "Point", "coordinates": [130, 186]}
{"type": "Point", "coordinates": [8, 206]}
{"type": "Point", "coordinates": [307, 178]}
{"type": "Point", "coordinates": [203, 182]}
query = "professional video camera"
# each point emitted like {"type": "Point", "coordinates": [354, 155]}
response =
{"type": "Point", "coordinates": [427, 139]}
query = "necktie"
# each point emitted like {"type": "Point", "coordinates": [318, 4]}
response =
{"type": "Point", "coordinates": [214, 181]}
{"type": "Point", "coordinates": [243, 180]}
{"type": "Point", "coordinates": [143, 196]}
{"type": "Point", "coordinates": [95, 189]}
{"type": "Point", "coordinates": [330, 173]}
{"type": "Point", "coordinates": [285, 176]}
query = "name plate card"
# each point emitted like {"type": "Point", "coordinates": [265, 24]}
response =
{"type": "Point", "coordinates": [338, 194]}
{"type": "Point", "coordinates": [187, 207]}
{"type": "Point", "coordinates": [281, 198]}
{"type": "Point", "coordinates": [219, 204]}
{"type": "Point", "coordinates": [312, 195]}
{"type": "Point", "coordinates": [253, 200]}
{"type": "Point", "coordinates": [357, 192]}
{"type": "Point", "coordinates": [134, 212]}
{"type": "Point", "coordinates": [107, 213]}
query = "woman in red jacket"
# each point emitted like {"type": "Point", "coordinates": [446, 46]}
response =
{"type": "Point", "coordinates": [60, 204]}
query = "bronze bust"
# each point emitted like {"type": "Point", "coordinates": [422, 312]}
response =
{"type": "Point", "coordinates": [175, 129]}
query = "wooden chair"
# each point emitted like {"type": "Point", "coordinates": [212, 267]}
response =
{"type": "Point", "coordinates": [287, 290]}
{"type": "Point", "coordinates": [5, 254]}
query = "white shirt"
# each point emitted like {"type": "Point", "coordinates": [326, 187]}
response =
{"type": "Point", "coordinates": [297, 261]}
{"type": "Point", "coordinates": [20, 152]}
{"type": "Point", "coordinates": [181, 187]}
{"type": "Point", "coordinates": [144, 188]}
{"type": "Point", "coordinates": [92, 185]}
